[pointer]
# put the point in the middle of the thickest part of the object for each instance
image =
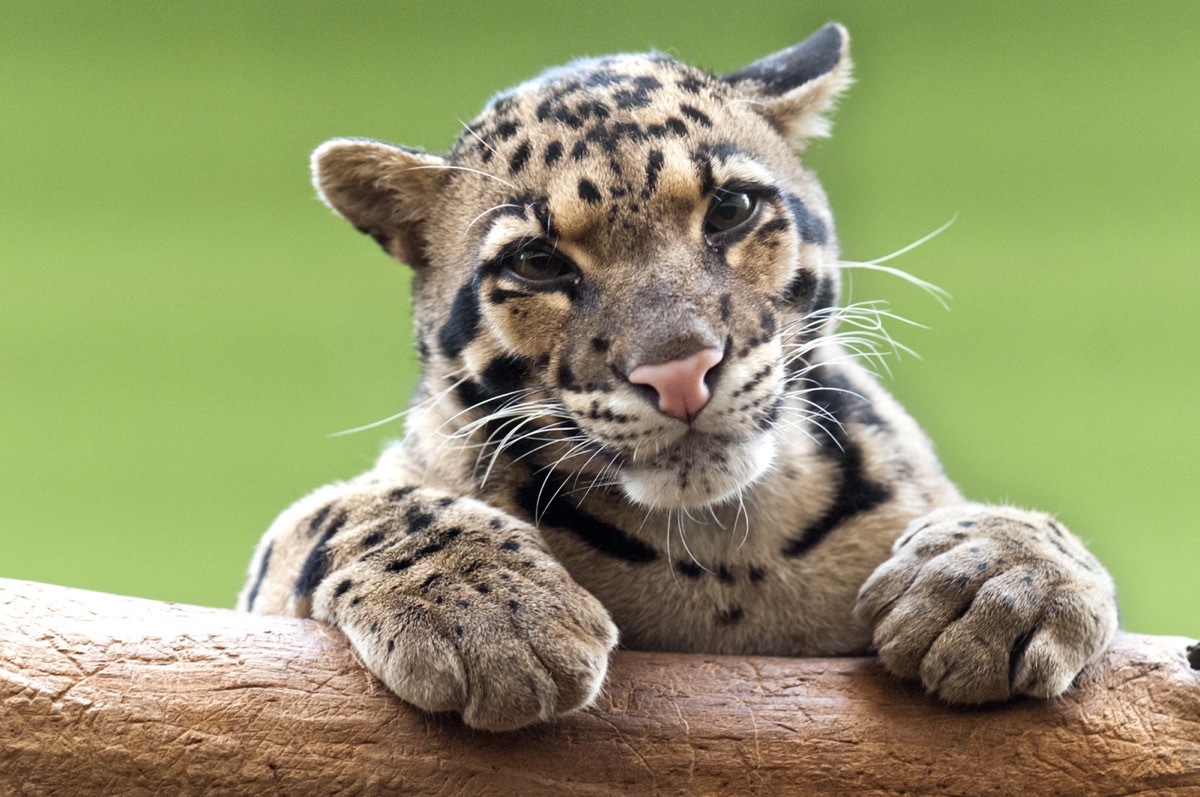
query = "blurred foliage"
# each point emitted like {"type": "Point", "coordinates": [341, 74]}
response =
{"type": "Point", "coordinates": [182, 324]}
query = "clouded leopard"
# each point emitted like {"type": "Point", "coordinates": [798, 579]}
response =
{"type": "Point", "coordinates": [640, 419]}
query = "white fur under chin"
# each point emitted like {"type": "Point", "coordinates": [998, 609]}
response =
{"type": "Point", "coordinates": [660, 488]}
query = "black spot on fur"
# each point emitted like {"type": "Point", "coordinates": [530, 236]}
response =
{"type": "Point", "coordinates": [417, 519]}
{"type": "Point", "coordinates": [520, 158]}
{"type": "Point", "coordinates": [507, 130]}
{"type": "Point", "coordinates": [825, 295]}
{"type": "Point", "coordinates": [696, 115]}
{"type": "Point", "coordinates": [554, 151]}
{"type": "Point", "coordinates": [757, 574]}
{"type": "Point", "coordinates": [638, 96]}
{"type": "Point", "coordinates": [505, 374]}
{"type": "Point", "coordinates": [400, 493]}
{"type": "Point", "coordinates": [654, 165]}
{"type": "Point", "coordinates": [730, 615]}
{"type": "Point", "coordinates": [588, 192]}
{"type": "Point", "coordinates": [579, 151]}
{"type": "Point", "coordinates": [316, 564]}
{"type": "Point", "coordinates": [342, 588]}
{"type": "Point", "coordinates": [592, 109]}
{"type": "Point", "coordinates": [689, 569]}
{"type": "Point", "coordinates": [691, 84]}
{"type": "Point", "coordinates": [800, 290]}
{"type": "Point", "coordinates": [463, 325]}
{"type": "Point", "coordinates": [726, 307]}
{"type": "Point", "coordinates": [566, 377]}
{"type": "Point", "coordinates": [318, 520]}
{"type": "Point", "coordinates": [262, 573]}
{"type": "Point", "coordinates": [600, 344]}
{"type": "Point", "coordinates": [767, 319]}
{"type": "Point", "coordinates": [399, 565]}
{"type": "Point", "coordinates": [676, 126]}
{"type": "Point", "coordinates": [371, 540]}
{"type": "Point", "coordinates": [707, 182]}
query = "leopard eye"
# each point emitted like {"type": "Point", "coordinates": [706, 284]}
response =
{"type": "Point", "coordinates": [728, 210]}
{"type": "Point", "coordinates": [534, 265]}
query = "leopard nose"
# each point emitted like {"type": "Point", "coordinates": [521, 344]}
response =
{"type": "Point", "coordinates": [680, 385]}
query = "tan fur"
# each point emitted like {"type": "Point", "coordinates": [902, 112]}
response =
{"type": "Point", "coordinates": [540, 501]}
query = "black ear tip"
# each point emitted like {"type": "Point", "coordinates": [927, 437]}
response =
{"type": "Point", "coordinates": [800, 63]}
{"type": "Point", "coordinates": [830, 34]}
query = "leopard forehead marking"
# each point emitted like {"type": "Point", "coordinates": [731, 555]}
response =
{"type": "Point", "coordinates": [601, 138]}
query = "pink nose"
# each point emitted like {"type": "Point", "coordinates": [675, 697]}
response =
{"type": "Point", "coordinates": [679, 383]}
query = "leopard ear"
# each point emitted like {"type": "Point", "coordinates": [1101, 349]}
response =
{"type": "Point", "coordinates": [385, 191]}
{"type": "Point", "coordinates": [797, 85]}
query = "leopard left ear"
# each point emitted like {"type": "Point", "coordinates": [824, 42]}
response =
{"type": "Point", "coordinates": [796, 86]}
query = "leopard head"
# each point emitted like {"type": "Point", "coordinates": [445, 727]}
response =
{"type": "Point", "coordinates": [620, 264]}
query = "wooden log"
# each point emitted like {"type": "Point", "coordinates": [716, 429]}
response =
{"type": "Point", "coordinates": [104, 694]}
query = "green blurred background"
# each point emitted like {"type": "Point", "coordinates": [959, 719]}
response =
{"type": "Point", "coordinates": [182, 324]}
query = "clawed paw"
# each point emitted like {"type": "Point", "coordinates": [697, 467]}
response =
{"type": "Point", "coordinates": [986, 603]}
{"type": "Point", "coordinates": [478, 619]}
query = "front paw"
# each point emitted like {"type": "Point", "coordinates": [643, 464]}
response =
{"type": "Point", "coordinates": [481, 621]}
{"type": "Point", "coordinates": [986, 603]}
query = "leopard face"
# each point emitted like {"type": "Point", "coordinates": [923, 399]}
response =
{"type": "Point", "coordinates": [620, 266]}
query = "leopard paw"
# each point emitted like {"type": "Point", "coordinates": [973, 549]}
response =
{"type": "Point", "coordinates": [987, 603]}
{"type": "Point", "coordinates": [474, 617]}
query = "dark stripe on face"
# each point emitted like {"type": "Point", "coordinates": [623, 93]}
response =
{"type": "Point", "coordinates": [812, 230]}
{"type": "Point", "coordinates": [463, 325]}
{"type": "Point", "coordinates": [773, 226]}
{"type": "Point", "coordinates": [505, 374]}
{"type": "Point", "coordinates": [800, 290]}
{"type": "Point", "coordinates": [826, 295]}
{"type": "Point", "coordinates": [856, 493]}
{"type": "Point", "coordinates": [707, 181]}
{"type": "Point", "coordinates": [262, 573]}
{"type": "Point", "coordinates": [593, 532]}
{"type": "Point", "coordinates": [502, 295]}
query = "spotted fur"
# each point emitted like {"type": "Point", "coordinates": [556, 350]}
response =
{"type": "Point", "coordinates": [542, 500]}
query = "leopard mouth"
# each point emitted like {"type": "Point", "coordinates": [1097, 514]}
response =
{"type": "Point", "coordinates": [698, 471]}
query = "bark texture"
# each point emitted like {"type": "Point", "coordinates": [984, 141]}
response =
{"type": "Point", "coordinates": [101, 694]}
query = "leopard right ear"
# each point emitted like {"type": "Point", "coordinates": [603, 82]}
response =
{"type": "Point", "coordinates": [384, 190]}
{"type": "Point", "coordinates": [796, 87]}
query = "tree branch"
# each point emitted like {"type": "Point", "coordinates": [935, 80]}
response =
{"type": "Point", "coordinates": [104, 694]}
